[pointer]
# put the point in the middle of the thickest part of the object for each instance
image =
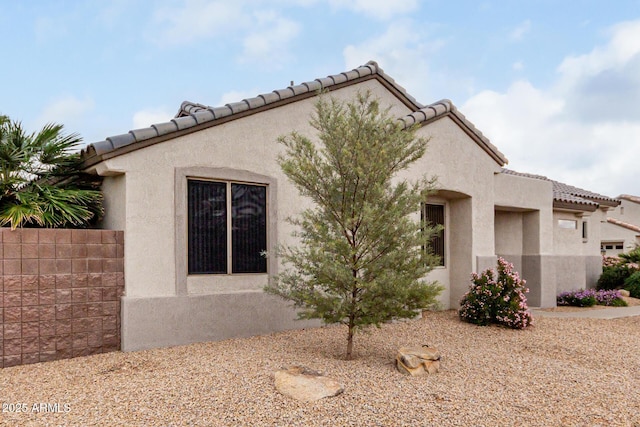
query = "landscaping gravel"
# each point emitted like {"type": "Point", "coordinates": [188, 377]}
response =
{"type": "Point", "coordinates": [559, 372]}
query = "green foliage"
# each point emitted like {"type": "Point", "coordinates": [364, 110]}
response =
{"type": "Point", "coordinates": [35, 174]}
{"type": "Point", "coordinates": [496, 298]}
{"type": "Point", "coordinates": [632, 284]}
{"type": "Point", "coordinates": [618, 302]}
{"type": "Point", "coordinates": [631, 257]}
{"type": "Point", "coordinates": [360, 260]}
{"type": "Point", "coordinates": [613, 277]}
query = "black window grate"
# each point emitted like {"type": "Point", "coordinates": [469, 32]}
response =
{"type": "Point", "coordinates": [433, 215]}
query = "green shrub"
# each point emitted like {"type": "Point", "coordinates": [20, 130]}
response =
{"type": "Point", "coordinates": [632, 284]}
{"type": "Point", "coordinates": [618, 302]}
{"type": "Point", "coordinates": [613, 277]}
{"type": "Point", "coordinates": [497, 300]}
{"type": "Point", "coordinates": [631, 257]}
{"type": "Point", "coordinates": [579, 298]}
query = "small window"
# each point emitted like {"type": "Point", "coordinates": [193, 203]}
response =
{"type": "Point", "coordinates": [227, 229]}
{"type": "Point", "coordinates": [619, 247]}
{"type": "Point", "coordinates": [434, 215]}
{"type": "Point", "coordinates": [608, 247]}
{"type": "Point", "coordinates": [569, 224]}
{"type": "Point", "coordinates": [585, 230]}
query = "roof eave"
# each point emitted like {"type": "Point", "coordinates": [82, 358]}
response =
{"type": "Point", "coordinates": [335, 82]}
{"type": "Point", "coordinates": [573, 206]}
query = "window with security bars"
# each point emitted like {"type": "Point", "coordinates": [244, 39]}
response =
{"type": "Point", "coordinates": [433, 215]}
{"type": "Point", "coordinates": [227, 227]}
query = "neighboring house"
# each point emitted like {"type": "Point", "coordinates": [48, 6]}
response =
{"type": "Point", "coordinates": [621, 232]}
{"type": "Point", "coordinates": [201, 198]}
{"type": "Point", "coordinates": [578, 218]}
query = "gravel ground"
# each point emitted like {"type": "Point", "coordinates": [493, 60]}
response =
{"type": "Point", "coordinates": [560, 372]}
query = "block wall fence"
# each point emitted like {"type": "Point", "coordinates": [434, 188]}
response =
{"type": "Point", "coordinates": [60, 293]}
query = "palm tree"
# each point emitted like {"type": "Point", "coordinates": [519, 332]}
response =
{"type": "Point", "coordinates": [41, 184]}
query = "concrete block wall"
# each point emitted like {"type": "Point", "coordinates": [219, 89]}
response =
{"type": "Point", "coordinates": [60, 293]}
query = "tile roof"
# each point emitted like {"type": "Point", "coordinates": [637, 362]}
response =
{"type": "Point", "coordinates": [634, 199]}
{"type": "Point", "coordinates": [192, 117]}
{"type": "Point", "coordinates": [624, 224]}
{"type": "Point", "coordinates": [570, 197]}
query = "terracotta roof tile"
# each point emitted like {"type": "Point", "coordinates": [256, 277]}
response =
{"type": "Point", "coordinates": [193, 114]}
{"type": "Point", "coordinates": [624, 224]}
{"type": "Point", "coordinates": [142, 134]}
{"type": "Point", "coordinates": [445, 107]}
{"type": "Point", "coordinates": [121, 140]}
{"type": "Point", "coordinates": [165, 128]}
{"type": "Point", "coordinates": [255, 102]}
{"type": "Point", "coordinates": [185, 122]}
{"type": "Point", "coordinates": [269, 97]}
{"type": "Point", "coordinates": [629, 197]}
{"type": "Point", "coordinates": [565, 193]}
{"type": "Point", "coordinates": [313, 86]}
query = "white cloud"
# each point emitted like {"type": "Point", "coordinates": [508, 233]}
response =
{"type": "Point", "coordinates": [584, 130]}
{"type": "Point", "coordinates": [66, 110]}
{"type": "Point", "coordinates": [264, 32]}
{"type": "Point", "coordinates": [402, 51]}
{"type": "Point", "coordinates": [592, 81]}
{"type": "Point", "coordinates": [271, 38]}
{"type": "Point", "coordinates": [236, 96]}
{"type": "Point", "coordinates": [517, 66]}
{"type": "Point", "coordinates": [379, 9]}
{"type": "Point", "coordinates": [71, 112]}
{"type": "Point", "coordinates": [48, 30]}
{"type": "Point", "coordinates": [146, 118]}
{"type": "Point", "coordinates": [518, 33]}
{"type": "Point", "coordinates": [196, 19]}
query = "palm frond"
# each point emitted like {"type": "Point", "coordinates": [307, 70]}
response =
{"type": "Point", "coordinates": [20, 214]}
{"type": "Point", "coordinates": [67, 206]}
{"type": "Point", "coordinates": [39, 182]}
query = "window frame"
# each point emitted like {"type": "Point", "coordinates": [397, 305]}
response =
{"type": "Point", "coordinates": [187, 284]}
{"type": "Point", "coordinates": [443, 236]}
{"type": "Point", "coordinates": [567, 224]}
{"type": "Point", "coordinates": [229, 265]}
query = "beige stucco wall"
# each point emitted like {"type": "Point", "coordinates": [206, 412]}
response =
{"type": "Point", "coordinates": [524, 233]}
{"type": "Point", "coordinates": [578, 260]}
{"type": "Point", "coordinates": [161, 299]}
{"type": "Point", "coordinates": [628, 212]}
{"type": "Point", "coordinates": [115, 206]}
{"type": "Point", "coordinates": [570, 241]}
{"type": "Point", "coordinates": [521, 194]}
{"type": "Point", "coordinates": [145, 181]}
{"type": "Point", "coordinates": [247, 144]}
{"type": "Point", "coordinates": [465, 182]}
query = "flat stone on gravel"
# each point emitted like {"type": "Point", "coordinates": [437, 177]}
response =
{"type": "Point", "coordinates": [306, 385]}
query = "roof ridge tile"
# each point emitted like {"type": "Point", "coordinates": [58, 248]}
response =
{"type": "Point", "coordinates": [624, 224]}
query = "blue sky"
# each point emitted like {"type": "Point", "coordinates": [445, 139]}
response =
{"type": "Point", "coordinates": [554, 84]}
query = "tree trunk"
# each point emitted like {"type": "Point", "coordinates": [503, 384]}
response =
{"type": "Point", "coordinates": [350, 342]}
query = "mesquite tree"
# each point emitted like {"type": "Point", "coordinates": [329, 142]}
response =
{"type": "Point", "coordinates": [362, 253]}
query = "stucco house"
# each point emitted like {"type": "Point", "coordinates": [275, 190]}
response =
{"type": "Point", "coordinates": [201, 196]}
{"type": "Point", "coordinates": [621, 231]}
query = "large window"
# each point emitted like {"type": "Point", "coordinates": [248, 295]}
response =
{"type": "Point", "coordinates": [227, 227]}
{"type": "Point", "coordinates": [433, 215]}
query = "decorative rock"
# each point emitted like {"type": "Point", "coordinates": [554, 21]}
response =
{"type": "Point", "coordinates": [624, 293]}
{"type": "Point", "coordinates": [417, 361]}
{"type": "Point", "coordinates": [306, 385]}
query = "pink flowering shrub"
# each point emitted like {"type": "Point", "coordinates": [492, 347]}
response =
{"type": "Point", "coordinates": [610, 261]}
{"type": "Point", "coordinates": [500, 299]}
